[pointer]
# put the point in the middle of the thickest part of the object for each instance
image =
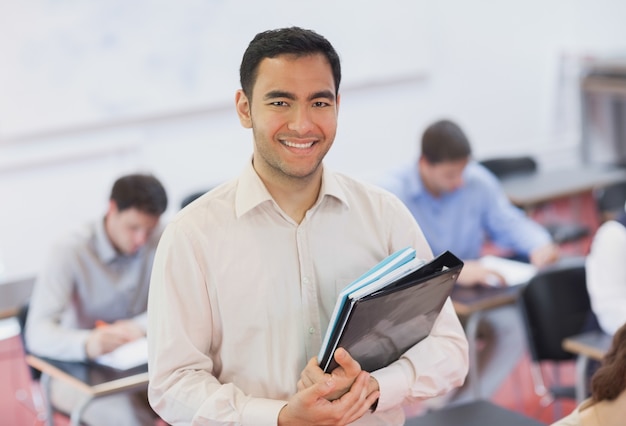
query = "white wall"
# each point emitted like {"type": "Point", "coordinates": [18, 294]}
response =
{"type": "Point", "coordinates": [506, 71]}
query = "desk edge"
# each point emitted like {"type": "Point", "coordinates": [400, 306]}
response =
{"type": "Point", "coordinates": [57, 373]}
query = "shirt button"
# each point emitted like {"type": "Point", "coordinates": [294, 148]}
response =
{"type": "Point", "coordinates": [311, 330]}
{"type": "Point", "coordinates": [305, 280]}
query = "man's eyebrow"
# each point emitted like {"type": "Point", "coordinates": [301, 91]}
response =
{"type": "Point", "coordinates": [274, 94]}
{"type": "Point", "coordinates": [325, 94]}
{"type": "Point", "coordinates": [278, 94]}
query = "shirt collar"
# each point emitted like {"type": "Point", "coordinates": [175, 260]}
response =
{"type": "Point", "coordinates": [104, 248]}
{"type": "Point", "coordinates": [415, 183]}
{"type": "Point", "coordinates": [331, 187]}
{"type": "Point", "coordinates": [251, 190]}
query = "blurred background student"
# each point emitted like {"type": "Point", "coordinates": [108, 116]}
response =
{"type": "Point", "coordinates": [460, 206]}
{"type": "Point", "coordinates": [91, 295]}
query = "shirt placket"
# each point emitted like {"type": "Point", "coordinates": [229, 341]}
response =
{"type": "Point", "coordinates": [308, 294]}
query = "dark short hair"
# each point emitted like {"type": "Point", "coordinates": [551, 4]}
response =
{"type": "Point", "coordinates": [445, 141]}
{"type": "Point", "coordinates": [285, 41]}
{"type": "Point", "coordinates": [143, 192]}
{"type": "Point", "coordinates": [609, 380]}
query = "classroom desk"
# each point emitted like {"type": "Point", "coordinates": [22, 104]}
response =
{"type": "Point", "coordinates": [472, 302]}
{"type": "Point", "coordinates": [587, 346]}
{"type": "Point", "coordinates": [531, 189]}
{"type": "Point", "coordinates": [92, 379]}
{"type": "Point", "coordinates": [476, 413]}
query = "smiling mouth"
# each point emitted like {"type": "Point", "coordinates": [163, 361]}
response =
{"type": "Point", "coordinates": [298, 145]}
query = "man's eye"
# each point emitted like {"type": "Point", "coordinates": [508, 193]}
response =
{"type": "Point", "coordinates": [279, 103]}
{"type": "Point", "coordinates": [320, 104]}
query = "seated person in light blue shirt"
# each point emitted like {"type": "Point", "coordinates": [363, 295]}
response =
{"type": "Point", "coordinates": [460, 205]}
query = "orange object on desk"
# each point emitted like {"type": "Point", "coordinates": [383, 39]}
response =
{"type": "Point", "coordinates": [100, 323]}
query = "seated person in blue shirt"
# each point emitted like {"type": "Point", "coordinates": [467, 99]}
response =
{"type": "Point", "coordinates": [91, 296]}
{"type": "Point", "coordinates": [460, 205]}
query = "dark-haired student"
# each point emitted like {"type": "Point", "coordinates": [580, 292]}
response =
{"type": "Point", "coordinates": [460, 205]}
{"type": "Point", "coordinates": [91, 295]}
{"type": "Point", "coordinates": [246, 277]}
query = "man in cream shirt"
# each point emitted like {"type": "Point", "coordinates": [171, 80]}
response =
{"type": "Point", "coordinates": [246, 277]}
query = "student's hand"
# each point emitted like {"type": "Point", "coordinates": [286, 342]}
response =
{"type": "Point", "coordinates": [311, 405]}
{"type": "Point", "coordinates": [544, 255]}
{"type": "Point", "coordinates": [108, 337]}
{"type": "Point", "coordinates": [343, 376]}
{"type": "Point", "coordinates": [474, 273]}
{"type": "Point", "coordinates": [129, 328]}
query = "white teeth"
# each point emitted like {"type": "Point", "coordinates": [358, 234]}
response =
{"type": "Point", "coordinates": [298, 145]}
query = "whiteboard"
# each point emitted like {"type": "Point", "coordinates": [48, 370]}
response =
{"type": "Point", "coordinates": [70, 63]}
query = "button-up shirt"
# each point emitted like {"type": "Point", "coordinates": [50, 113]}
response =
{"type": "Point", "coordinates": [241, 296]}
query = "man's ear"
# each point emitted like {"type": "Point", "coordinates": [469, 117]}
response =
{"type": "Point", "coordinates": [243, 109]}
{"type": "Point", "coordinates": [112, 207]}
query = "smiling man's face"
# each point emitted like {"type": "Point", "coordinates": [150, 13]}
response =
{"type": "Point", "coordinates": [293, 115]}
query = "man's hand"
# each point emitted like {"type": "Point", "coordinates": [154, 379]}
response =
{"type": "Point", "coordinates": [343, 376]}
{"type": "Point", "coordinates": [108, 337]}
{"type": "Point", "coordinates": [544, 255]}
{"type": "Point", "coordinates": [474, 273]}
{"type": "Point", "coordinates": [311, 405]}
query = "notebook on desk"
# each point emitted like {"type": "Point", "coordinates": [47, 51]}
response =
{"type": "Point", "coordinates": [513, 271]}
{"type": "Point", "coordinates": [127, 356]}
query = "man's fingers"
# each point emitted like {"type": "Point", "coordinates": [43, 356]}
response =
{"type": "Point", "coordinates": [351, 366]}
{"type": "Point", "coordinates": [311, 374]}
{"type": "Point", "coordinates": [320, 390]}
{"type": "Point", "coordinates": [358, 401]}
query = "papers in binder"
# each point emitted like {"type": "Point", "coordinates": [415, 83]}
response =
{"type": "Point", "coordinates": [127, 356]}
{"type": "Point", "coordinates": [390, 263]}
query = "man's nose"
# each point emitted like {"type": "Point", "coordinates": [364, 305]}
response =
{"type": "Point", "coordinates": [458, 182]}
{"type": "Point", "coordinates": [301, 120]}
{"type": "Point", "coordinates": [141, 237]}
